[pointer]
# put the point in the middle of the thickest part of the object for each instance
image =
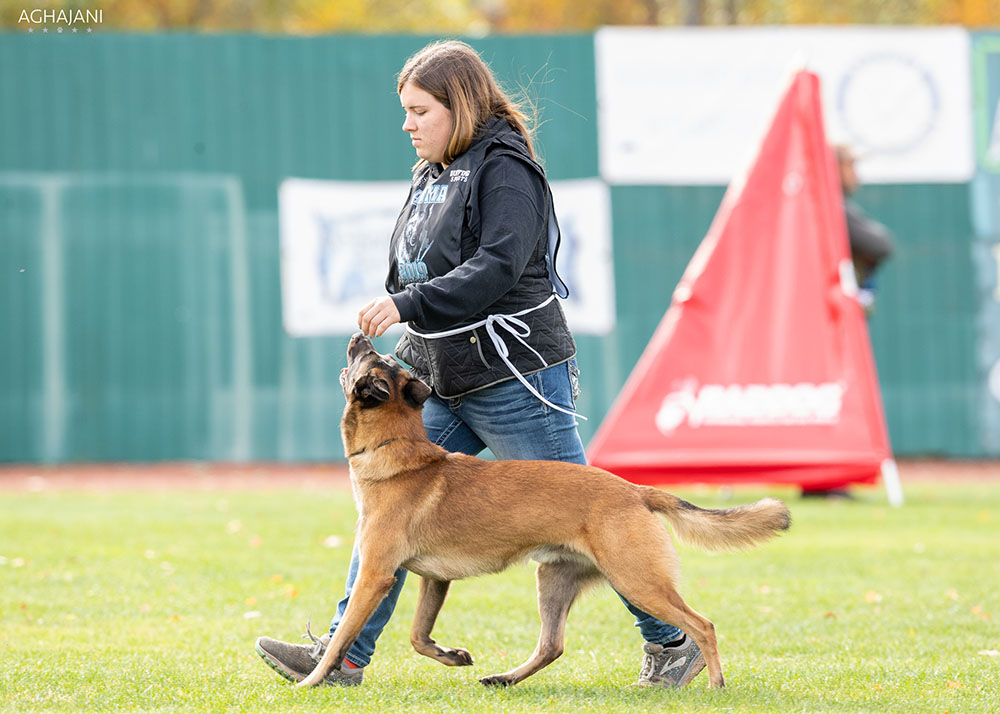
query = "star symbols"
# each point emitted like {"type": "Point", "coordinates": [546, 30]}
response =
{"type": "Point", "coordinates": [45, 29]}
{"type": "Point", "coordinates": [31, 29]}
{"type": "Point", "coordinates": [74, 30]}
{"type": "Point", "coordinates": [59, 30]}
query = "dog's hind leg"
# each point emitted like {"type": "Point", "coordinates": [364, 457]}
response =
{"type": "Point", "coordinates": [429, 602]}
{"type": "Point", "coordinates": [645, 578]}
{"type": "Point", "coordinates": [559, 582]}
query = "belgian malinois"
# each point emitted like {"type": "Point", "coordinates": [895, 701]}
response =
{"type": "Point", "coordinates": [448, 516]}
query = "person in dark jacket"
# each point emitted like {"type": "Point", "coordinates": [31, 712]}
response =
{"type": "Point", "coordinates": [472, 274]}
{"type": "Point", "coordinates": [871, 242]}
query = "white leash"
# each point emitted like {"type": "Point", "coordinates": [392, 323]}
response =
{"type": "Point", "coordinates": [520, 330]}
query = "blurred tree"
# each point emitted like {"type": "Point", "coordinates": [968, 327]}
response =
{"type": "Point", "coordinates": [477, 17]}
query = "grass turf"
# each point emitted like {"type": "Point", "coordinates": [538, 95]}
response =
{"type": "Point", "coordinates": [151, 601]}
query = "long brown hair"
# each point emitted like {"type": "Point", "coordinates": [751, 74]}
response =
{"type": "Point", "coordinates": [454, 74]}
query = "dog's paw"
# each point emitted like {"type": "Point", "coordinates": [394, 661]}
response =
{"type": "Point", "coordinates": [455, 657]}
{"type": "Point", "coordinates": [497, 680]}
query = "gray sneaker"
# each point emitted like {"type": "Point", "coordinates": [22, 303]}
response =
{"type": "Point", "coordinates": [670, 666]}
{"type": "Point", "coordinates": [295, 662]}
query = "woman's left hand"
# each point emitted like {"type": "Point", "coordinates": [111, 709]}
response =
{"type": "Point", "coordinates": [378, 316]}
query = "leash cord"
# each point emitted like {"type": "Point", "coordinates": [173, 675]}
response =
{"type": "Point", "coordinates": [520, 330]}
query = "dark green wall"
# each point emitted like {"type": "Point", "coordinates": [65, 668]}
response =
{"type": "Point", "coordinates": [139, 247]}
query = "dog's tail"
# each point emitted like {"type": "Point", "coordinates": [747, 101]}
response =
{"type": "Point", "coordinates": [719, 528]}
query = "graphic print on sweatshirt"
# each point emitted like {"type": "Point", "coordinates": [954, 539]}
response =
{"type": "Point", "coordinates": [415, 242]}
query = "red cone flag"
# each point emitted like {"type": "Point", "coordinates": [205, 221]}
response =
{"type": "Point", "coordinates": [761, 369]}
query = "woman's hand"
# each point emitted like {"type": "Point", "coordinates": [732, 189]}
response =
{"type": "Point", "coordinates": [378, 316]}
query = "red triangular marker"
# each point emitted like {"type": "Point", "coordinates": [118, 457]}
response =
{"type": "Point", "coordinates": [761, 370]}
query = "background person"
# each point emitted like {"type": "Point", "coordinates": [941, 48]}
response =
{"type": "Point", "coordinates": [871, 242]}
{"type": "Point", "coordinates": [472, 273]}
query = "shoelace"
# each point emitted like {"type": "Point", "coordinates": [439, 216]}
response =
{"type": "Point", "coordinates": [519, 330]}
{"type": "Point", "coordinates": [648, 664]}
{"type": "Point", "coordinates": [318, 647]}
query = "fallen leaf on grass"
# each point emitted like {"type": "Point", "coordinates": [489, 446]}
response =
{"type": "Point", "coordinates": [333, 541]}
{"type": "Point", "coordinates": [253, 614]}
{"type": "Point", "coordinates": [251, 601]}
{"type": "Point", "coordinates": [830, 615]}
{"type": "Point", "coordinates": [952, 594]}
{"type": "Point", "coordinates": [145, 607]}
{"type": "Point", "coordinates": [175, 618]}
{"type": "Point", "coordinates": [990, 653]}
{"type": "Point", "coordinates": [978, 610]}
{"type": "Point", "coordinates": [954, 685]}
{"type": "Point", "coordinates": [873, 597]}
{"type": "Point", "coordinates": [234, 526]}
{"type": "Point", "coordinates": [277, 578]}
{"type": "Point", "coordinates": [764, 589]}
{"type": "Point", "coordinates": [255, 541]}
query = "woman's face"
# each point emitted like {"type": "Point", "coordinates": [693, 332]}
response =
{"type": "Point", "coordinates": [428, 122]}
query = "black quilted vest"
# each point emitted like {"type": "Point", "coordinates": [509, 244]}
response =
{"type": "Point", "coordinates": [467, 361]}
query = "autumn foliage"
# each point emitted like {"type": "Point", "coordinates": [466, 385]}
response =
{"type": "Point", "coordinates": [478, 17]}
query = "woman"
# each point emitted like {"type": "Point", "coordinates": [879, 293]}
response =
{"type": "Point", "coordinates": [472, 273]}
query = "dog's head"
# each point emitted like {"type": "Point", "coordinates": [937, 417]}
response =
{"type": "Point", "coordinates": [371, 380]}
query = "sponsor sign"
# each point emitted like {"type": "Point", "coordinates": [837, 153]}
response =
{"type": "Point", "coordinates": [986, 221]}
{"type": "Point", "coordinates": [686, 106]}
{"type": "Point", "coordinates": [750, 405]}
{"type": "Point", "coordinates": [335, 250]}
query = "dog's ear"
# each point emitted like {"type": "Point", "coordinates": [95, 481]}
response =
{"type": "Point", "coordinates": [416, 392]}
{"type": "Point", "coordinates": [370, 388]}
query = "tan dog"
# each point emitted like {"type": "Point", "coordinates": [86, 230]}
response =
{"type": "Point", "coordinates": [449, 516]}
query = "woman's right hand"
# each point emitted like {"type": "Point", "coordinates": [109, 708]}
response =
{"type": "Point", "coordinates": [378, 316]}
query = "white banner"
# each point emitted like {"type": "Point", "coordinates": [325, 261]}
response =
{"type": "Point", "coordinates": [686, 106]}
{"type": "Point", "coordinates": [335, 251]}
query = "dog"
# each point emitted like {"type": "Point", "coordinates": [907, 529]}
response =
{"type": "Point", "coordinates": [448, 516]}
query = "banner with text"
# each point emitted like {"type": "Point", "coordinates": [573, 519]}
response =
{"type": "Point", "coordinates": [335, 251]}
{"type": "Point", "coordinates": [687, 106]}
{"type": "Point", "coordinates": [986, 223]}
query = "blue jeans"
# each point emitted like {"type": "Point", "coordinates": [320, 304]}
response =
{"type": "Point", "coordinates": [513, 424]}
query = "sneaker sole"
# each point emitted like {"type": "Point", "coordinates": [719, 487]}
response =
{"type": "Point", "coordinates": [277, 666]}
{"type": "Point", "coordinates": [696, 666]}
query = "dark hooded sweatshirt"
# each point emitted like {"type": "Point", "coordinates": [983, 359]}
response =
{"type": "Point", "coordinates": [477, 239]}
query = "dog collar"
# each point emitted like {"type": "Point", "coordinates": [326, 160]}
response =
{"type": "Point", "coordinates": [379, 446]}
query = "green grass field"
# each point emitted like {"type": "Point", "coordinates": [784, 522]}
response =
{"type": "Point", "coordinates": [151, 601]}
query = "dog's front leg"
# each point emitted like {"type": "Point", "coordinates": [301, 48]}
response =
{"type": "Point", "coordinates": [369, 590]}
{"type": "Point", "coordinates": [429, 602]}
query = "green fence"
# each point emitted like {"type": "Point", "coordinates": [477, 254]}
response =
{"type": "Point", "coordinates": [139, 244]}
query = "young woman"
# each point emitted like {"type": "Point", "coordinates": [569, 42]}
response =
{"type": "Point", "coordinates": [472, 274]}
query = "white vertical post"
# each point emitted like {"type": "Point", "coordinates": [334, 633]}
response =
{"type": "Point", "coordinates": [893, 487]}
